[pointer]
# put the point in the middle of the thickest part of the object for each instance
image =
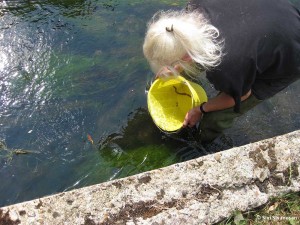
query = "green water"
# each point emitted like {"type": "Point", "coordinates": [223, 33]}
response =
{"type": "Point", "coordinates": [73, 81]}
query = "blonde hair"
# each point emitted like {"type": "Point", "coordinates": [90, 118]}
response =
{"type": "Point", "coordinates": [173, 34]}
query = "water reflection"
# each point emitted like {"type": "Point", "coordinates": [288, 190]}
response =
{"type": "Point", "coordinates": [47, 8]}
{"type": "Point", "coordinates": [34, 39]}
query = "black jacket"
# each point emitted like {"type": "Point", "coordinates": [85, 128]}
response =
{"type": "Point", "coordinates": [261, 45]}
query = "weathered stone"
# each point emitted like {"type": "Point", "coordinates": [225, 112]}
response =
{"type": "Point", "coordinates": [200, 191]}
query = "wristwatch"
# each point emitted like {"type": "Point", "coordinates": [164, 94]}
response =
{"type": "Point", "coordinates": [201, 108]}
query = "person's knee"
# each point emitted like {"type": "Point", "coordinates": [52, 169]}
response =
{"type": "Point", "coordinates": [213, 124]}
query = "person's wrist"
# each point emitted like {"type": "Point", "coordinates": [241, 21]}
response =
{"type": "Point", "coordinates": [202, 110]}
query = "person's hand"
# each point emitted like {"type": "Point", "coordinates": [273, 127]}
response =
{"type": "Point", "coordinates": [192, 117]}
{"type": "Point", "coordinates": [164, 72]}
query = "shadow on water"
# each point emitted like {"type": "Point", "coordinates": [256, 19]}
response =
{"type": "Point", "coordinates": [141, 138]}
{"type": "Point", "coordinates": [138, 147]}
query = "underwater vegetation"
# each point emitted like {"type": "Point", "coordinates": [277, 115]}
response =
{"type": "Point", "coordinates": [8, 153]}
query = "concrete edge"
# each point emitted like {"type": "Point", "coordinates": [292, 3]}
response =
{"type": "Point", "coordinates": [200, 191]}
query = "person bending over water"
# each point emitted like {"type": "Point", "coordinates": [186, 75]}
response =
{"type": "Point", "coordinates": [249, 51]}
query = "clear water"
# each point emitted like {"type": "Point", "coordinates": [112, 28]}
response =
{"type": "Point", "coordinates": [72, 82]}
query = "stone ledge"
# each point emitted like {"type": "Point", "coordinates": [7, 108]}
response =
{"type": "Point", "coordinates": [200, 191]}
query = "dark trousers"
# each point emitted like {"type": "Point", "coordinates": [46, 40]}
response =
{"type": "Point", "coordinates": [214, 123]}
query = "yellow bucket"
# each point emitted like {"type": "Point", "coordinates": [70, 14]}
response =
{"type": "Point", "coordinates": [169, 99]}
